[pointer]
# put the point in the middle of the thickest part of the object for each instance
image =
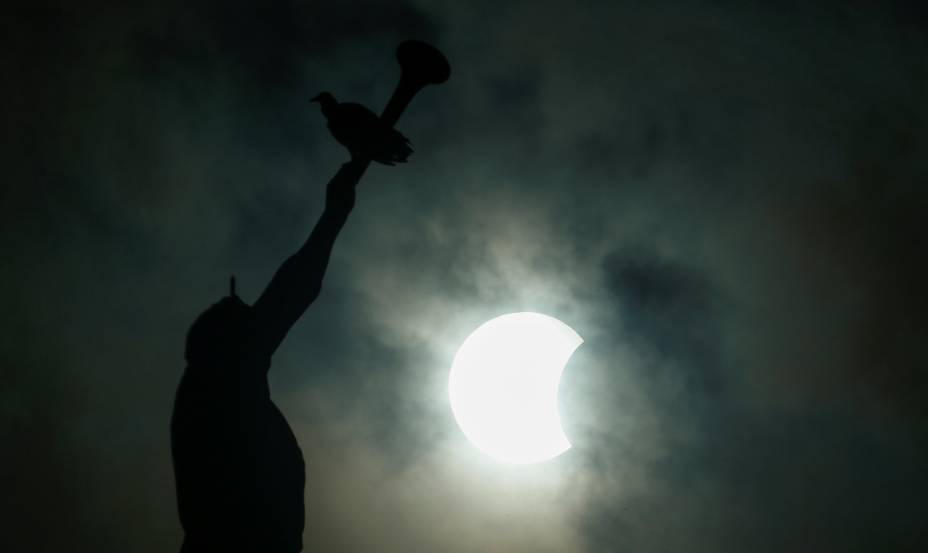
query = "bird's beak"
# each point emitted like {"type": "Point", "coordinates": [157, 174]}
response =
{"type": "Point", "coordinates": [316, 98]}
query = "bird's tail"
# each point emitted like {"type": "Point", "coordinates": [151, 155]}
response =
{"type": "Point", "coordinates": [396, 149]}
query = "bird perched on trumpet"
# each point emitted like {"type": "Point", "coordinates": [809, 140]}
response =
{"type": "Point", "coordinates": [362, 132]}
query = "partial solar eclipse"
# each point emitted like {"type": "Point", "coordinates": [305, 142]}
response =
{"type": "Point", "coordinates": [503, 386]}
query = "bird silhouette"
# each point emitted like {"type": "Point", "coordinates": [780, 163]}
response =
{"type": "Point", "coordinates": [362, 132]}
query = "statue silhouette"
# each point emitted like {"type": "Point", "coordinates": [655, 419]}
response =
{"type": "Point", "coordinates": [237, 466]}
{"type": "Point", "coordinates": [238, 469]}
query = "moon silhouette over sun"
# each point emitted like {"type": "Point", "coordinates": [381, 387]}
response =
{"type": "Point", "coordinates": [503, 386]}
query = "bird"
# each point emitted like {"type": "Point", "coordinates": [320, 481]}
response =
{"type": "Point", "coordinates": [363, 133]}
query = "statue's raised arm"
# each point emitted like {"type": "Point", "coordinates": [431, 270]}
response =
{"type": "Point", "coordinates": [298, 281]}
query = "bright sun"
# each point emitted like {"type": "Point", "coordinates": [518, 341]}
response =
{"type": "Point", "coordinates": [503, 386]}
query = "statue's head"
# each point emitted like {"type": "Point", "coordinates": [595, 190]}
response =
{"type": "Point", "coordinates": [220, 333]}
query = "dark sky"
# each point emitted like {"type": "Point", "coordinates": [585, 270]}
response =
{"type": "Point", "coordinates": [725, 199]}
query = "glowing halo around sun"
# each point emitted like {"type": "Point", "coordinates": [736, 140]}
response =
{"type": "Point", "coordinates": [503, 386]}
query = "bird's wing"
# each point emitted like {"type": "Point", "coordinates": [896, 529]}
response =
{"type": "Point", "coordinates": [398, 136]}
{"type": "Point", "coordinates": [352, 125]}
{"type": "Point", "coordinates": [363, 133]}
{"type": "Point", "coordinates": [358, 115]}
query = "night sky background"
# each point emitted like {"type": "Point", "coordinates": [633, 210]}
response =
{"type": "Point", "coordinates": [727, 200]}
